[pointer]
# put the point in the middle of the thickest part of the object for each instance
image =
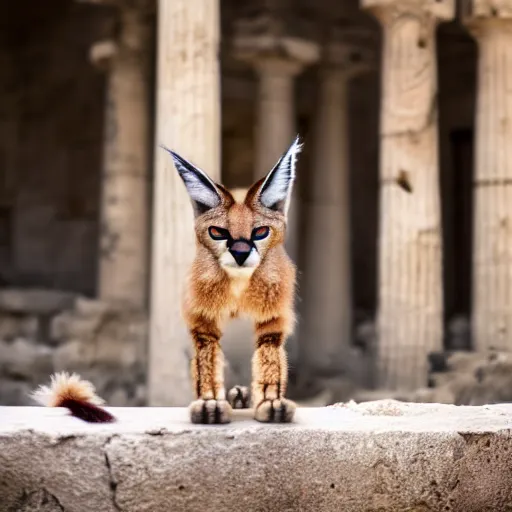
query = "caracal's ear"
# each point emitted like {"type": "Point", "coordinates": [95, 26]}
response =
{"type": "Point", "coordinates": [200, 187]}
{"type": "Point", "coordinates": [276, 189]}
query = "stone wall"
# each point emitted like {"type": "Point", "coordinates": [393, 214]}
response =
{"type": "Point", "coordinates": [47, 331]}
{"type": "Point", "coordinates": [51, 124]}
{"type": "Point", "coordinates": [457, 377]}
{"type": "Point", "coordinates": [42, 332]}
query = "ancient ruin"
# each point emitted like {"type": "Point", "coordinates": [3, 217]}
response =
{"type": "Point", "coordinates": [400, 236]}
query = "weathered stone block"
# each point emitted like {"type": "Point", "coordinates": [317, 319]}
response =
{"type": "Point", "coordinates": [87, 307]}
{"type": "Point", "coordinates": [15, 392]}
{"type": "Point", "coordinates": [22, 358]}
{"type": "Point", "coordinates": [68, 325]}
{"type": "Point", "coordinates": [383, 456]}
{"type": "Point", "coordinates": [90, 307]}
{"type": "Point", "coordinates": [73, 356]}
{"type": "Point", "coordinates": [9, 327]}
{"type": "Point", "coordinates": [59, 326]}
{"type": "Point", "coordinates": [35, 301]}
{"type": "Point", "coordinates": [119, 352]}
{"type": "Point", "coordinates": [121, 341]}
{"type": "Point", "coordinates": [29, 327]}
{"type": "Point", "coordinates": [118, 398]}
{"type": "Point", "coordinates": [12, 326]}
{"type": "Point", "coordinates": [140, 395]}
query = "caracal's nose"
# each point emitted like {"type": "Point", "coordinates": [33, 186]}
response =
{"type": "Point", "coordinates": [240, 251]}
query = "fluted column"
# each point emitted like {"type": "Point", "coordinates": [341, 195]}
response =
{"type": "Point", "coordinates": [188, 120]}
{"type": "Point", "coordinates": [123, 265]}
{"type": "Point", "coordinates": [327, 282]}
{"type": "Point", "coordinates": [275, 108]}
{"type": "Point", "coordinates": [491, 25]}
{"type": "Point", "coordinates": [410, 297]}
{"type": "Point", "coordinates": [277, 61]}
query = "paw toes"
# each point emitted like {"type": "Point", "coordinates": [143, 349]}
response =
{"type": "Point", "coordinates": [280, 410]}
{"type": "Point", "coordinates": [239, 397]}
{"type": "Point", "coordinates": [210, 412]}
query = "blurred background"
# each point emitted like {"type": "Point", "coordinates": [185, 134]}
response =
{"type": "Point", "coordinates": [400, 222]}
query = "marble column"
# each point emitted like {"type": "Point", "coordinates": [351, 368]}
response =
{"type": "Point", "coordinates": [123, 266]}
{"type": "Point", "coordinates": [187, 120]}
{"type": "Point", "coordinates": [327, 283]}
{"type": "Point", "coordinates": [490, 23]}
{"type": "Point", "coordinates": [277, 61]}
{"type": "Point", "coordinates": [410, 289]}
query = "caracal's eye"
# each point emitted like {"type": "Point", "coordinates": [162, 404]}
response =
{"type": "Point", "coordinates": [218, 233]}
{"type": "Point", "coordinates": [260, 233]}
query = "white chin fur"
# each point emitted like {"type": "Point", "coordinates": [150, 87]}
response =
{"type": "Point", "coordinates": [229, 264]}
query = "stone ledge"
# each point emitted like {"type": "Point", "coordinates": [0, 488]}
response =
{"type": "Point", "coordinates": [380, 456]}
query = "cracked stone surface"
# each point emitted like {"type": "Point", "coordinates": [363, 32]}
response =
{"type": "Point", "coordinates": [380, 456]}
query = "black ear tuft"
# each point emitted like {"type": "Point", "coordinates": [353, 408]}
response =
{"type": "Point", "coordinates": [200, 187]}
{"type": "Point", "coordinates": [276, 189]}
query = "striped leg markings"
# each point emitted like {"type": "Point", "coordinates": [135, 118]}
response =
{"type": "Point", "coordinates": [207, 370]}
{"type": "Point", "coordinates": [270, 373]}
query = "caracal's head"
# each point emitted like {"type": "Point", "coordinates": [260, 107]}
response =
{"type": "Point", "coordinates": [240, 227]}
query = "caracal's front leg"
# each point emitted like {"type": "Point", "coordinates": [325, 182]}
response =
{"type": "Point", "coordinates": [270, 374]}
{"type": "Point", "coordinates": [207, 368]}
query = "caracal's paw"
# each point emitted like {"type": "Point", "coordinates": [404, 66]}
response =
{"type": "Point", "coordinates": [239, 397]}
{"type": "Point", "coordinates": [280, 410]}
{"type": "Point", "coordinates": [210, 412]}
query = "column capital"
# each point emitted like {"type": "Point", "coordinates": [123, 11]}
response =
{"type": "Point", "coordinates": [102, 53]}
{"type": "Point", "coordinates": [263, 39]}
{"type": "Point", "coordinates": [132, 41]}
{"type": "Point", "coordinates": [349, 51]}
{"type": "Point", "coordinates": [478, 15]}
{"type": "Point", "coordinates": [279, 54]}
{"type": "Point", "coordinates": [475, 9]}
{"type": "Point", "coordinates": [347, 60]}
{"type": "Point", "coordinates": [388, 10]}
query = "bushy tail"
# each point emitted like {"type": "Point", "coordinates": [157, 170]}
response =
{"type": "Point", "coordinates": [75, 394]}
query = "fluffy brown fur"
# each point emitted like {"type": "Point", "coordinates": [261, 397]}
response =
{"type": "Point", "coordinates": [218, 289]}
{"type": "Point", "coordinates": [75, 394]}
